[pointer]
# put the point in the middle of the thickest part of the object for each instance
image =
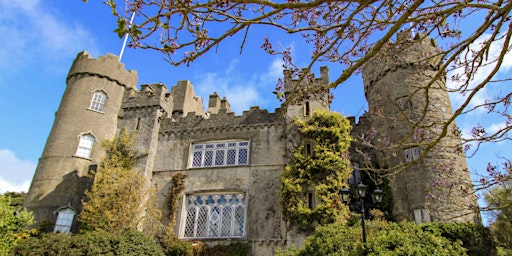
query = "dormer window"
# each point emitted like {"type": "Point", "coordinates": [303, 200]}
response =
{"type": "Point", "coordinates": [98, 101]}
{"type": "Point", "coordinates": [85, 144]}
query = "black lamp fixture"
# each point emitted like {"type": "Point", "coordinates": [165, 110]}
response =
{"type": "Point", "coordinates": [361, 193]}
{"type": "Point", "coordinates": [377, 195]}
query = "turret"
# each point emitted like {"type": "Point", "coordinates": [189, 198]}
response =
{"type": "Point", "coordinates": [88, 114]}
{"type": "Point", "coordinates": [409, 109]}
{"type": "Point", "coordinates": [307, 95]}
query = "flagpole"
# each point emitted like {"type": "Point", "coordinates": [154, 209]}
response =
{"type": "Point", "coordinates": [126, 37]}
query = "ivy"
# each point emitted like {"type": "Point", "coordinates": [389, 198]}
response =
{"type": "Point", "coordinates": [319, 165]}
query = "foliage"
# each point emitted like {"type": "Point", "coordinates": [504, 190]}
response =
{"type": "Point", "coordinates": [383, 238]}
{"type": "Point", "coordinates": [14, 221]}
{"type": "Point", "coordinates": [168, 240]}
{"type": "Point", "coordinates": [477, 239]}
{"type": "Point", "coordinates": [231, 249]}
{"type": "Point", "coordinates": [323, 171]}
{"type": "Point", "coordinates": [499, 199]}
{"type": "Point", "coordinates": [100, 242]}
{"type": "Point", "coordinates": [118, 199]}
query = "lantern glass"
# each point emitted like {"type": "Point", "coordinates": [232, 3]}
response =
{"type": "Point", "coordinates": [361, 190]}
{"type": "Point", "coordinates": [377, 195]}
{"type": "Point", "coordinates": [345, 194]}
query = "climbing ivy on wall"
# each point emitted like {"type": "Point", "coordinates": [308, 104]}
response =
{"type": "Point", "coordinates": [319, 166]}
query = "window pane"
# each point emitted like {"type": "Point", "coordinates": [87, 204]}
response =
{"type": "Point", "coordinates": [208, 158]}
{"type": "Point", "coordinates": [64, 221]}
{"type": "Point", "coordinates": [219, 158]}
{"type": "Point", "coordinates": [220, 154]}
{"type": "Point", "coordinates": [242, 156]}
{"type": "Point", "coordinates": [231, 157]}
{"type": "Point", "coordinates": [196, 160]}
{"type": "Point", "coordinates": [85, 146]}
{"type": "Point", "coordinates": [221, 216]}
{"type": "Point", "coordinates": [98, 101]}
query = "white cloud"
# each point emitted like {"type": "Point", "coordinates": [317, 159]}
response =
{"type": "Point", "coordinates": [32, 32]}
{"type": "Point", "coordinates": [15, 174]}
{"type": "Point", "coordinates": [481, 74]}
{"type": "Point", "coordinates": [242, 90]}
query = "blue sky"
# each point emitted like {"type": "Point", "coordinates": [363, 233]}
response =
{"type": "Point", "coordinates": [41, 39]}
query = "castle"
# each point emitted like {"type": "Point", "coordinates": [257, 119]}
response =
{"type": "Point", "coordinates": [233, 163]}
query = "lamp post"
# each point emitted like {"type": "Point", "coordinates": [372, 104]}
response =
{"type": "Point", "coordinates": [361, 193]}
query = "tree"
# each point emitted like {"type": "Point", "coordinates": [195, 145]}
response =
{"type": "Point", "coordinates": [384, 238]}
{"type": "Point", "coordinates": [118, 199]}
{"type": "Point", "coordinates": [349, 34]}
{"type": "Point", "coordinates": [499, 199]}
{"type": "Point", "coordinates": [318, 168]}
{"type": "Point", "coordinates": [14, 222]}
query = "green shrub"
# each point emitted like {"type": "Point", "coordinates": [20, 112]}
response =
{"type": "Point", "coordinates": [232, 249]}
{"type": "Point", "coordinates": [477, 239]}
{"type": "Point", "coordinates": [90, 243]}
{"type": "Point", "coordinates": [382, 239]}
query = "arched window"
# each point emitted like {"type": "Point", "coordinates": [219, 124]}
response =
{"type": "Point", "coordinates": [84, 148]}
{"type": "Point", "coordinates": [64, 220]}
{"type": "Point", "coordinates": [98, 101]}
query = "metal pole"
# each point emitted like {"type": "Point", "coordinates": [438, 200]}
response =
{"type": "Point", "coordinates": [362, 221]}
{"type": "Point", "coordinates": [362, 225]}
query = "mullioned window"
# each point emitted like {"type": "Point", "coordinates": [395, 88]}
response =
{"type": "Point", "coordinates": [221, 153]}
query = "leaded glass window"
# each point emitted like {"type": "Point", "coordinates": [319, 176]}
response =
{"type": "Point", "coordinates": [220, 215]}
{"type": "Point", "coordinates": [98, 101]}
{"type": "Point", "coordinates": [217, 154]}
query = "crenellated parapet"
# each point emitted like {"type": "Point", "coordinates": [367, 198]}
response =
{"type": "Point", "coordinates": [150, 95]}
{"type": "Point", "coordinates": [254, 116]}
{"type": "Point", "coordinates": [106, 67]}
{"type": "Point", "coordinates": [309, 81]}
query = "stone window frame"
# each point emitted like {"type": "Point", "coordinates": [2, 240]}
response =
{"type": "Point", "coordinates": [411, 154]}
{"type": "Point", "coordinates": [213, 154]}
{"type": "Point", "coordinates": [65, 216]}
{"type": "Point", "coordinates": [215, 215]}
{"type": "Point", "coordinates": [85, 145]}
{"type": "Point", "coordinates": [98, 100]}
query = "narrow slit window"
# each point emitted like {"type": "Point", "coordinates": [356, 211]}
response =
{"type": "Point", "coordinates": [307, 108]}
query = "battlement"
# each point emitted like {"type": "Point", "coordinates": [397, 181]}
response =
{"type": "Point", "coordinates": [108, 67]}
{"type": "Point", "coordinates": [148, 96]}
{"type": "Point", "coordinates": [308, 82]}
{"type": "Point", "coordinates": [419, 51]}
{"type": "Point", "coordinates": [220, 120]}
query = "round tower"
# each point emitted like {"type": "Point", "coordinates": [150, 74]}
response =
{"type": "Point", "coordinates": [88, 114]}
{"type": "Point", "coordinates": [409, 109]}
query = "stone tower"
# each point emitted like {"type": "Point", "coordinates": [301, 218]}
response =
{"type": "Point", "coordinates": [308, 96]}
{"type": "Point", "coordinates": [88, 114]}
{"type": "Point", "coordinates": [409, 109]}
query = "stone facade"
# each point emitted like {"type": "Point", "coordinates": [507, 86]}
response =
{"type": "Point", "coordinates": [233, 163]}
